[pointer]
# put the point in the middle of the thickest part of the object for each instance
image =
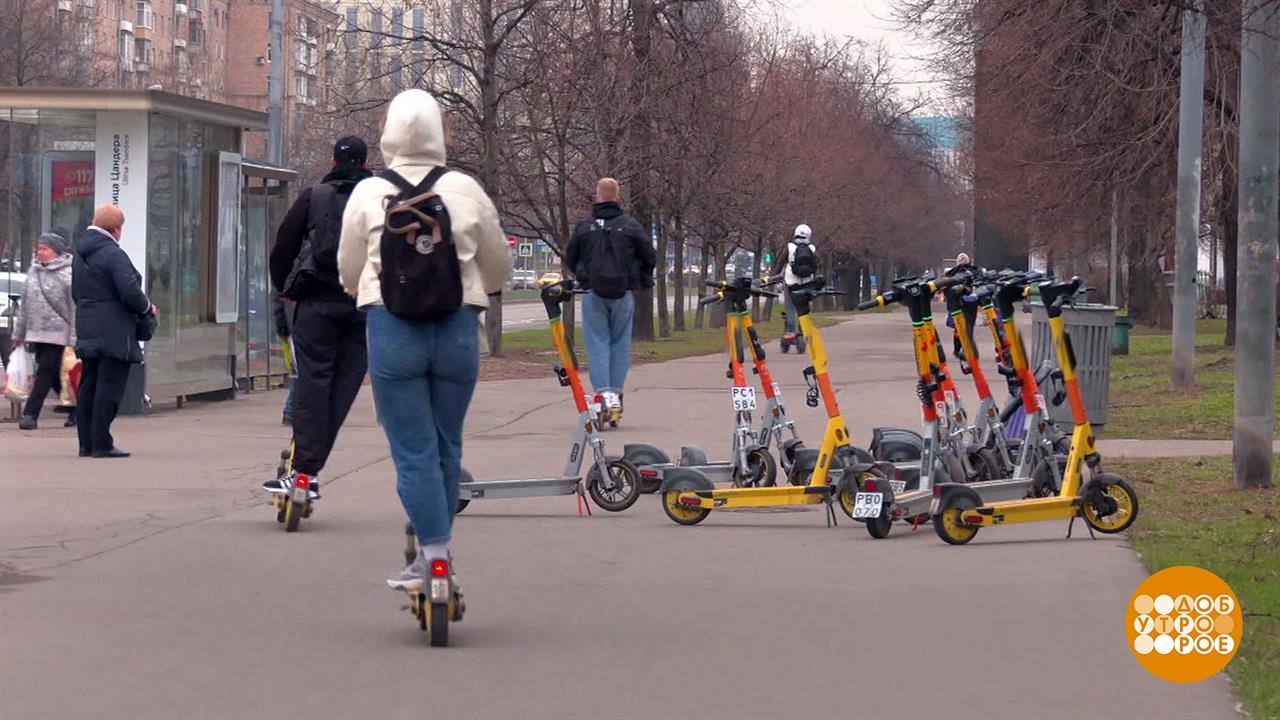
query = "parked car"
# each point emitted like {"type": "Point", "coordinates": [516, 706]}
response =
{"type": "Point", "coordinates": [523, 279]}
{"type": "Point", "coordinates": [11, 287]}
{"type": "Point", "coordinates": [549, 278]}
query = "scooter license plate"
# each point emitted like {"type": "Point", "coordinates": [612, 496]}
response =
{"type": "Point", "coordinates": [744, 398]}
{"type": "Point", "coordinates": [300, 495]}
{"type": "Point", "coordinates": [439, 590]}
{"type": "Point", "coordinates": [899, 486]}
{"type": "Point", "coordinates": [867, 505]}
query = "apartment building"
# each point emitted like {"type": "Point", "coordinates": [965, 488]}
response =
{"type": "Point", "coordinates": [210, 49]}
{"type": "Point", "coordinates": [180, 47]}
{"type": "Point", "coordinates": [309, 40]}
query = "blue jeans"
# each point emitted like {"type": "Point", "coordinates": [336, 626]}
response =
{"type": "Point", "coordinates": [423, 375]}
{"type": "Point", "coordinates": [606, 331]}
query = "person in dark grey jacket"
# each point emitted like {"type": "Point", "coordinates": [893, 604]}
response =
{"type": "Point", "coordinates": [109, 304]}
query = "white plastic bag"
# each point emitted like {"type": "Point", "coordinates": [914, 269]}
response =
{"type": "Point", "coordinates": [19, 376]}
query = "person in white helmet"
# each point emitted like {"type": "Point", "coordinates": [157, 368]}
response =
{"type": "Point", "coordinates": [802, 266]}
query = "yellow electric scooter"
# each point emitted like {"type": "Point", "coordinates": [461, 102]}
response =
{"type": "Point", "coordinates": [1105, 501]}
{"type": "Point", "coordinates": [839, 471]}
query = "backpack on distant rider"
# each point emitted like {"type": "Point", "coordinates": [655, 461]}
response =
{"type": "Point", "coordinates": [608, 271]}
{"type": "Point", "coordinates": [421, 278]}
{"type": "Point", "coordinates": [317, 263]}
{"type": "Point", "coordinates": [804, 263]}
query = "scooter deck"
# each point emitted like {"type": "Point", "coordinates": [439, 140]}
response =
{"type": "Point", "coordinates": [756, 497]}
{"type": "Point", "coordinates": [716, 472]}
{"type": "Point", "coordinates": [919, 502]}
{"type": "Point", "coordinates": [524, 487]}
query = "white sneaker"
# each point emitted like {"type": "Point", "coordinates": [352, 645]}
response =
{"type": "Point", "coordinates": [613, 405]}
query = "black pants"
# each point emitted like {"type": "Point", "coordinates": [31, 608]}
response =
{"type": "Point", "coordinates": [48, 377]}
{"type": "Point", "coordinates": [102, 382]}
{"type": "Point", "coordinates": [331, 357]}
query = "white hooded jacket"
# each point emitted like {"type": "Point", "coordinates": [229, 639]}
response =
{"type": "Point", "coordinates": [413, 144]}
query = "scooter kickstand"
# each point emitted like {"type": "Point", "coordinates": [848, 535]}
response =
{"type": "Point", "coordinates": [831, 514]}
{"type": "Point", "coordinates": [1087, 525]}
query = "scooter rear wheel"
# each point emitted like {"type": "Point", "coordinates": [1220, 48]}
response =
{"type": "Point", "coordinates": [985, 465]}
{"type": "Point", "coordinates": [680, 513]}
{"type": "Point", "coordinates": [438, 624]}
{"type": "Point", "coordinates": [625, 480]}
{"type": "Point", "coordinates": [947, 522]}
{"type": "Point", "coordinates": [292, 515]}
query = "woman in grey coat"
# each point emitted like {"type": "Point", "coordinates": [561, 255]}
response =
{"type": "Point", "coordinates": [46, 321]}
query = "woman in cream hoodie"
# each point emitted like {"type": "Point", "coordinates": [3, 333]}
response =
{"type": "Point", "coordinates": [423, 373]}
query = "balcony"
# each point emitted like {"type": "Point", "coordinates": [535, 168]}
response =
{"type": "Point", "coordinates": [126, 27]}
{"type": "Point", "coordinates": [179, 9]}
{"type": "Point", "coordinates": [64, 6]}
{"type": "Point", "coordinates": [179, 43]}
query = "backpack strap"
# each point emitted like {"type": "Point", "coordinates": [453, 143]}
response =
{"type": "Point", "coordinates": [405, 186]}
{"type": "Point", "coordinates": [319, 204]}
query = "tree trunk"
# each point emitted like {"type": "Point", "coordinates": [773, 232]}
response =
{"type": "Point", "coordinates": [700, 311]}
{"type": "Point", "coordinates": [664, 315]}
{"type": "Point", "coordinates": [1149, 301]}
{"type": "Point", "coordinates": [489, 149]}
{"type": "Point", "coordinates": [642, 17]}
{"type": "Point", "coordinates": [755, 273]}
{"type": "Point", "coordinates": [679, 279]}
{"type": "Point", "coordinates": [1229, 225]}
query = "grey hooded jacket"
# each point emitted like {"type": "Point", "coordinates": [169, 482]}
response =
{"type": "Point", "coordinates": [48, 313]}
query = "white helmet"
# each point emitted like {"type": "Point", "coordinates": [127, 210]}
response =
{"type": "Point", "coordinates": [802, 233]}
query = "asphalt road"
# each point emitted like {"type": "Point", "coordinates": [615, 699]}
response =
{"type": "Point", "coordinates": [161, 587]}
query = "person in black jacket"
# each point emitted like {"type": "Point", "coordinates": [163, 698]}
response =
{"type": "Point", "coordinates": [326, 329]}
{"type": "Point", "coordinates": [109, 305]}
{"type": "Point", "coordinates": [613, 246]}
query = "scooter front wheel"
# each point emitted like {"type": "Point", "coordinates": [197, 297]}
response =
{"type": "Point", "coordinates": [1111, 506]}
{"type": "Point", "coordinates": [623, 488]}
{"type": "Point", "coordinates": [762, 470]}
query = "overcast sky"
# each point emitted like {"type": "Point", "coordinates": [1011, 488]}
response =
{"type": "Point", "coordinates": [871, 21]}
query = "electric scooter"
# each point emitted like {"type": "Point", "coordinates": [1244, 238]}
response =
{"type": "Point", "coordinates": [612, 483]}
{"type": "Point", "coordinates": [880, 509]}
{"type": "Point", "coordinates": [751, 464]}
{"type": "Point", "coordinates": [293, 501]}
{"type": "Point", "coordinates": [833, 472]}
{"type": "Point", "coordinates": [1105, 501]}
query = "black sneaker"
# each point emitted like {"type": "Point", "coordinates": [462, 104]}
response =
{"type": "Point", "coordinates": [276, 485]}
{"type": "Point", "coordinates": [27, 423]}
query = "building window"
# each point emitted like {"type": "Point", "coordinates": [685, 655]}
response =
{"type": "Point", "coordinates": [142, 51]}
{"type": "Point", "coordinates": [419, 22]}
{"type": "Point", "coordinates": [353, 19]}
{"type": "Point", "coordinates": [397, 25]}
{"type": "Point", "coordinates": [146, 17]}
{"type": "Point", "coordinates": [86, 35]}
{"type": "Point", "coordinates": [195, 32]}
{"type": "Point", "coordinates": [124, 47]}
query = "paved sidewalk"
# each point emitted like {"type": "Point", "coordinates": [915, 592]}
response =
{"type": "Point", "coordinates": [160, 586]}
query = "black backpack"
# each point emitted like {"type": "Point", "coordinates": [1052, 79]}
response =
{"type": "Point", "coordinates": [804, 264]}
{"type": "Point", "coordinates": [316, 266]}
{"type": "Point", "coordinates": [421, 278]}
{"type": "Point", "coordinates": [608, 269]}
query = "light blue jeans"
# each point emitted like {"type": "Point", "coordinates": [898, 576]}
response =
{"type": "Point", "coordinates": [423, 375]}
{"type": "Point", "coordinates": [606, 331]}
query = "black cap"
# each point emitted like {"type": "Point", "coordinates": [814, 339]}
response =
{"type": "Point", "coordinates": [350, 150]}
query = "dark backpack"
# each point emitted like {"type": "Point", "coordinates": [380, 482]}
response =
{"type": "Point", "coordinates": [421, 278]}
{"type": "Point", "coordinates": [316, 266]}
{"type": "Point", "coordinates": [608, 270]}
{"type": "Point", "coordinates": [804, 264]}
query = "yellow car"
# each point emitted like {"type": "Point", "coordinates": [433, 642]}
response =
{"type": "Point", "coordinates": [549, 279]}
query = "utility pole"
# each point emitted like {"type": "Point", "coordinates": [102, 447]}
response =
{"type": "Point", "coordinates": [275, 87]}
{"type": "Point", "coordinates": [1186, 252]}
{"type": "Point", "coordinates": [1256, 253]}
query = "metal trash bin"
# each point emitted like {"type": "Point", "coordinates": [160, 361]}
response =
{"type": "Point", "coordinates": [1091, 327]}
